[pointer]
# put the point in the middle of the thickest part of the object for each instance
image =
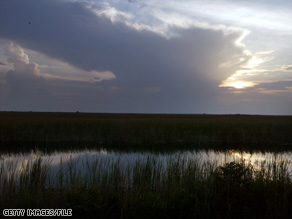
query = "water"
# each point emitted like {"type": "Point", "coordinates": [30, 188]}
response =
{"type": "Point", "coordinates": [83, 161]}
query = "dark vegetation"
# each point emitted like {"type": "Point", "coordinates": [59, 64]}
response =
{"type": "Point", "coordinates": [27, 130]}
{"type": "Point", "coordinates": [184, 189]}
{"type": "Point", "coordinates": [146, 190]}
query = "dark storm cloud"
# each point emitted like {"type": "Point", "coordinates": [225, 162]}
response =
{"type": "Point", "coordinates": [179, 70]}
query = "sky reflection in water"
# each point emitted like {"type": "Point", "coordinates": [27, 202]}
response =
{"type": "Point", "coordinates": [104, 157]}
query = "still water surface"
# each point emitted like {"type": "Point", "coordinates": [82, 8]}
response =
{"type": "Point", "coordinates": [105, 158]}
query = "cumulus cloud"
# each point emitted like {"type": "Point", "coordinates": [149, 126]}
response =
{"type": "Point", "coordinates": [20, 61]}
{"type": "Point", "coordinates": [166, 68]}
{"type": "Point", "coordinates": [181, 62]}
{"type": "Point", "coordinates": [27, 87]}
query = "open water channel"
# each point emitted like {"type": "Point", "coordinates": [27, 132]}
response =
{"type": "Point", "coordinates": [83, 161]}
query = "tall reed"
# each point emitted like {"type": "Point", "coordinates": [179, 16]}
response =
{"type": "Point", "coordinates": [149, 187]}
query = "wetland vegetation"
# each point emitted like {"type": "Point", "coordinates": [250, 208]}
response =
{"type": "Point", "coordinates": [144, 131]}
{"type": "Point", "coordinates": [173, 187]}
{"type": "Point", "coordinates": [148, 187]}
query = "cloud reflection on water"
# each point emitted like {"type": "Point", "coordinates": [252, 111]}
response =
{"type": "Point", "coordinates": [79, 158]}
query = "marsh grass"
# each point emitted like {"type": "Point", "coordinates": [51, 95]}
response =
{"type": "Point", "coordinates": [148, 187]}
{"type": "Point", "coordinates": [20, 130]}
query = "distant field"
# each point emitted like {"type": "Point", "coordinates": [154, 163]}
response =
{"type": "Point", "coordinates": [146, 131]}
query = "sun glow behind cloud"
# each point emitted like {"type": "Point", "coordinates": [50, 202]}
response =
{"type": "Point", "coordinates": [160, 56]}
{"type": "Point", "coordinates": [238, 84]}
{"type": "Point", "coordinates": [244, 77]}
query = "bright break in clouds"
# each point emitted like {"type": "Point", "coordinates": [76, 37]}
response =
{"type": "Point", "coordinates": [146, 56]}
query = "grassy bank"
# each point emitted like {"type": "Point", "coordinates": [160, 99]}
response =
{"type": "Point", "coordinates": [122, 131]}
{"type": "Point", "coordinates": [148, 188]}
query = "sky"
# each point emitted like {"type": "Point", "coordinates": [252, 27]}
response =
{"type": "Point", "coordinates": [146, 56]}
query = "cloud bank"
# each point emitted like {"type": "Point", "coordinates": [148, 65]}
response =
{"type": "Point", "coordinates": [134, 67]}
